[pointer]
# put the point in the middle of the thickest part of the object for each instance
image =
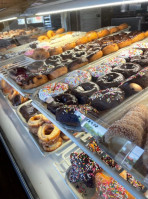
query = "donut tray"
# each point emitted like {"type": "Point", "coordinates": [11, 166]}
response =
{"type": "Point", "coordinates": [35, 139]}
{"type": "Point", "coordinates": [63, 166]}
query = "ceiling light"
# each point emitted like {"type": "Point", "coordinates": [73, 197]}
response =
{"type": "Point", "coordinates": [91, 6]}
{"type": "Point", "coordinates": [8, 19]}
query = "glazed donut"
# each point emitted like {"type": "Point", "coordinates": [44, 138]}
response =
{"type": "Point", "coordinates": [55, 51]}
{"type": "Point", "coordinates": [52, 147]}
{"type": "Point", "coordinates": [60, 30]}
{"type": "Point", "coordinates": [146, 33]}
{"type": "Point", "coordinates": [60, 100]}
{"type": "Point", "coordinates": [35, 82]}
{"type": "Point", "coordinates": [77, 77]}
{"type": "Point", "coordinates": [111, 79]}
{"type": "Point", "coordinates": [43, 38]}
{"type": "Point", "coordinates": [6, 88]}
{"type": "Point", "coordinates": [82, 40]}
{"type": "Point", "coordinates": [40, 54]}
{"type": "Point", "coordinates": [127, 69]}
{"type": "Point", "coordinates": [34, 122]}
{"type": "Point", "coordinates": [103, 33]}
{"type": "Point", "coordinates": [52, 90]}
{"type": "Point", "coordinates": [50, 34]}
{"type": "Point", "coordinates": [92, 35]}
{"type": "Point", "coordinates": [110, 49]}
{"type": "Point", "coordinates": [69, 46]}
{"type": "Point", "coordinates": [123, 26]}
{"type": "Point", "coordinates": [114, 29]}
{"type": "Point", "coordinates": [138, 37]}
{"type": "Point", "coordinates": [57, 72]}
{"type": "Point", "coordinates": [48, 133]}
{"type": "Point", "coordinates": [106, 99]}
{"type": "Point", "coordinates": [84, 91]}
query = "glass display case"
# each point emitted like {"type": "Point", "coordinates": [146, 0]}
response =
{"type": "Point", "coordinates": [74, 77]}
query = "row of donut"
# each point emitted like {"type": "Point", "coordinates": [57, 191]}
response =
{"type": "Point", "coordinates": [48, 135]}
{"type": "Point", "coordinates": [39, 73]}
{"type": "Point", "coordinates": [91, 35]}
{"type": "Point", "coordinates": [84, 173]}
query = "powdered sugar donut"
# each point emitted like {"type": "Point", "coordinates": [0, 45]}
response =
{"type": "Point", "coordinates": [130, 53]}
{"type": "Point", "coordinates": [52, 90]}
{"type": "Point", "coordinates": [140, 45]}
{"type": "Point", "coordinates": [77, 77]}
{"type": "Point", "coordinates": [113, 62]}
{"type": "Point", "coordinates": [98, 71]}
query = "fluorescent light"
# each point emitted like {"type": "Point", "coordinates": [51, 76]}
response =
{"type": "Point", "coordinates": [91, 6]}
{"type": "Point", "coordinates": [8, 19]}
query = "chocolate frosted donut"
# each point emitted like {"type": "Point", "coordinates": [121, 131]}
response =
{"type": "Point", "coordinates": [67, 54]}
{"type": "Point", "coordinates": [110, 80]}
{"type": "Point", "coordinates": [106, 99]}
{"type": "Point", "coordinates": [141, 60]}
{"type": "Point", "coordinates": [85, 90]}
{"type": "Point", "coordinates": [27, 111]}
{"type": "Point", "coordinates": [60, 100]}
{"type": "Point", "coordinates": [66, 114]}
{"type": "Point", "coordinates": [127, 69]}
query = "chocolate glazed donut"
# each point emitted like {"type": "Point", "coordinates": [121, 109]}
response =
{"type": "Point", "coordinates": [60, 100]}
{"type": "Point", "coordinates": [110, 80]}
{"type": "Point", "coordinates": [127, 69]}
{"type": "Point", "coordinates": [85, 90]}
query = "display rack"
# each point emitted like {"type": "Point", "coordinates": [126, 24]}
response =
{"type": "Point", "coordinates": [141, 97]}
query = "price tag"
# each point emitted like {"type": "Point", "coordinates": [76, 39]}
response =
{"type": "Point", "coordinates": [129, 155]}
{"type": "Point", "coordinates": [90, 126]}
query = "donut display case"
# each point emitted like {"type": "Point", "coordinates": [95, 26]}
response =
{"type": "Point", "coordinates": [74, 99]}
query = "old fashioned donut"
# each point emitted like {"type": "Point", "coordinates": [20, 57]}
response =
{"type": "Point", "coordinates": [110, 49]}
{"type": "Point", "coordinates": [55, 51]}
{"type": "Point", "coordinates": [51, 90]}
{"type": "Point", "coordinates": [127, 69]}
{"type": "Point", "coordinates": [34, 122]}
{"type": "Point", "coordinates": [48, 133]}
{"type": "Point", "coordinates": [114, 29]}
{"type": "Point", "coordinates": [35, 82]}
{"type": "Point", "coordinates": [6, 88]}
{"type": "Point", "coordinates": [60, 30]}
{"type": "Point", "coordinates": [50, 34]}
{"type": "Point", "coordinates": [82, 40]}
{"type": "Point", "coordinates": [84, 91]}
{"type": "Point", "coordinates": [123, 26]}
{"type": "Point", "coordinates": [106, 99]}
{"type": "Point", "coordinates": [69, 46]}
{"type": "Point", "coordinates": [103, 33]}
{"type": "Point", "coordinates": [112, 79]}
{"type": "Point", "coordinates": [51, 147]}
{"type": "Point", "coordinates": [40, 54]}
{"type": "Point", "coordinates": [43, 38]}
{"type": "Point", "coordinates": [92, 35]}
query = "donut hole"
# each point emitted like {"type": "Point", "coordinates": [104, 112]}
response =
{"type": "Point", "coordinates": [49, 130]}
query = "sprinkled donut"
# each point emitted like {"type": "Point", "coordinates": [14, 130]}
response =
{"type": "Point", "coordinates": [98, 71]}
{"type": "Point", "coordinates": [130, 53]}
{"type": "Point", "coordinates": [77, 77]}
{"type": "Point", "coordinates": [52, 90]}
{"type": "Point", "coordinates": [105, 99]}
{"type": "Point", "coordinates": [140, 45]}
{"type": "Point", "coordinates": [113, 62]}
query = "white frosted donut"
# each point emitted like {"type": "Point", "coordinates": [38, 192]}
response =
{"type": "Point", "coordinates": [98, 71]}
{"type": "Point", "coordinates": [140, 45]}
{"type": "Point", "coordinates": [115, 61]}
{"type": "Point", "coordinates": [77, 77]}
{"type": "Point", "coordinates": [130, 53]}
{"type": "Point", "coordinates": [52, 90]}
